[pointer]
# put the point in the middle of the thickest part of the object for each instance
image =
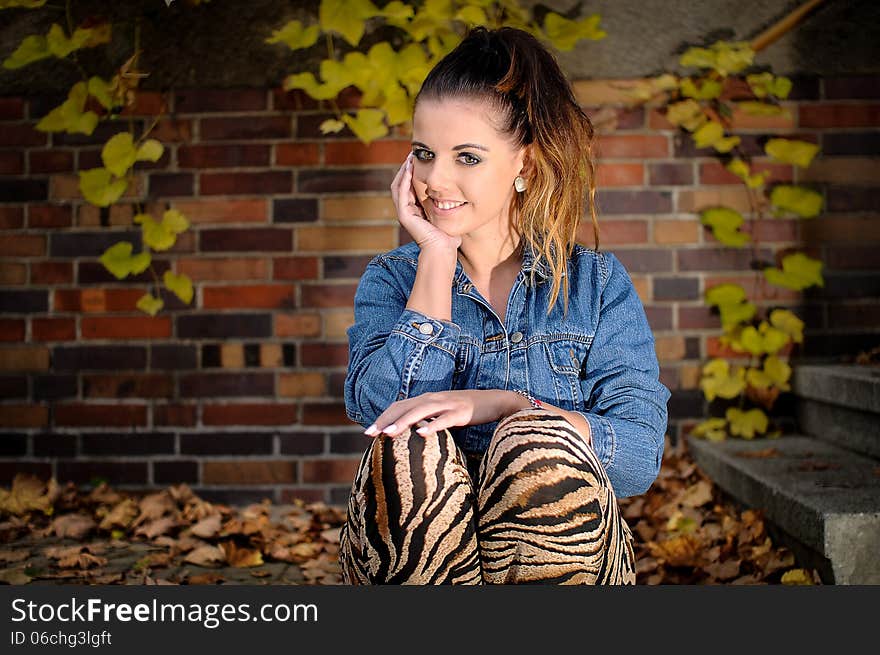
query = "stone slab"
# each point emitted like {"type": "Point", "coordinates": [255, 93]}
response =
{"type": "Point", "coordinates": [824, 496]}
{"type": "Point", "coordinates": [848, 385]}
{"type": "Point", "coordinates": [848, 428]}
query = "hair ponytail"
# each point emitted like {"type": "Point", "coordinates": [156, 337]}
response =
{"type": "Point", "coordinates": [516, 74]}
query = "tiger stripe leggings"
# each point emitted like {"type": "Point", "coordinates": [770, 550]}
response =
{"type": "Point", "coordinates": [536, 508]}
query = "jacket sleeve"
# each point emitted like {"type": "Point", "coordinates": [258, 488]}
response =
{"type": "Point", "coordinates": [625, 402]}
{"type": "Point", "coordinates": [393, 352]}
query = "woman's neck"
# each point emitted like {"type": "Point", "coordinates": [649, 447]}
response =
{"type": "Point", "coordinates": [481, 259]}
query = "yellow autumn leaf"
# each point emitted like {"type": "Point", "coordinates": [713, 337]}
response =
{"type": "Point", "coordinates": [791, 151]}
{"type": "Point", "coordinates": [746, 424]}
{"type": "Point", "coordinates": [175, 221]}
{"type": "Point", "coordinates": [397, 105]}
{"type": "Point", "coordinates": [719, 382]}
{"type": "Point", "coordinates": [295, 36]}
{"type": "Point", "coordinates": [799, 200]}
{"type": "Point", "coordinates": [778, 372]}
{"type": "Point", "coordinates": [25, 4]}
{"type": "Point", "coordinates": [99, 187]}
{"type": "Point", "coordinates": [713, 429]}
{"type": "Point", "coordinates": [707, 91]}
{"type": "Point", "coordinates": [755, 108]}
{"type": "Point", "coordinates": [397, 13]}
{"type": "Point", "coordinates": [331, 126]}
{"type": "Point", "coordinates": [724, 57]}
{"type": "Point", "coordinates": [121, 263]}
{"type": "Point", "coordinates": [798, 272]}
{"type": "Point", "coordinates": [764, 84]}
{"type": "Point", "coordinates": [308, 83]}
{"type": "Point", "coordinates": [149, 304]}
{"type": "Point", "coordinates": [708, 134]}
{"type": "Point", "coordinates": [774, 339]}
{"type": "Point", "coordinates": [119, 154]}
{"type": "Point", "coordinates": [741, 169]}
{"type": "Point", "coordinates": [346, 17]}
{"type": "Point", "coordinates": [100, 90]}
{"type": "Point", "coordinates": [69, 116]}
{"type": "Point", "coordinates": [786, 321]}
{"type": "Point", "coordinates": [150, 150]}
{"type": "Point", "coordinates": [180, 285]}
{"type": "Point", "coordinates": [797, 577]}
{"type": "Point", "coordinates": [565, 33]}
{"type": "Point", "coordinates": [32, 48]}
{"type": "Point", "coordinates": [156, 235]}
{"type": "Point", "coordinates": [725, 224]}
{"type": "Point", "coordinates": [731, 302]}
{"type": "Point", "coordinates": [368, 124]}
{"type": "Point", "coordinates": [471, 15]}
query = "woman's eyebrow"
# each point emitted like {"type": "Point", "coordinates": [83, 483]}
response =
{"type": "Point", "coordinates": [461, 147]}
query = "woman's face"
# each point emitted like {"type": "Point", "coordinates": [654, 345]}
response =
{"type": "Point", "coordinates": [459, 156]}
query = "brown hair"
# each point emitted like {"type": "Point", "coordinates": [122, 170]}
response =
{"type": "Point", "coordinates": [516, 74]}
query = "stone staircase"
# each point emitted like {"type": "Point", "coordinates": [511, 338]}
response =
{"type": "Point", "coordinates": [820, 489]}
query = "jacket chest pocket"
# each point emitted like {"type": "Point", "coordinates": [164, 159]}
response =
{"type": "Point", "coordinates": [565, 358]}
{"type": "Point", "coordinates": [464, 365]}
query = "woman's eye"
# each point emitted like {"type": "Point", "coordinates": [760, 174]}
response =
{"type": "Point", "coordinates": [473, 159]}
{"type": "Point", "coordinates": [418, 154]}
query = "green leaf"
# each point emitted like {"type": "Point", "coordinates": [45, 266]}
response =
{"type": "Point", "coordinates": [117, 259]}
{"type": "Point", "coordinates": [100, 90]}
{"type": "Point", "coordinates": [32, 48]}
{"type": "Point", "coordinates": [69, 116]}
{"type": "Point", "coordinates": [180, 285]}
{"type": "Point", "coordinates": [799, 200]}
{"type": "Point", "coordinates": [150, 304]}
{"type": "Point", "coordinates": [565, 33]}
{"type": "Point", "coordinates": [99, 188]}
{"type": "Point", "coordinates": [798, 272]}
{"type": "Point", "coordinates": [294, 36]}
{"type": "Point", "coordinates": [156, 235]}
{"type": "Point", "coordinates": [785, 320]}
{"type": "Point", "coordinates": [790, 151]}
{"type": "Point", "coordinates": [741, 169]}
{"type": "Point", "coordinates": [346, 17]}
{"type": "Point", "coordinates": [150, 150]}
{"type": "Point", "coordinates": [712, 134]}
{"type": "Point", "coordinates": [746, 424]}
{"type": "Point", "coordinates": [725, 294]}
{"type": "Point", "coordinates": [719, 382]}
{"type": "Point", "coordinates": [368, 125]}
{"type": "Point", "coordinates": [713, 429]}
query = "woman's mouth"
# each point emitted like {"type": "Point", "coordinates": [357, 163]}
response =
{"type": "Point", "coordinates": [446, 207]}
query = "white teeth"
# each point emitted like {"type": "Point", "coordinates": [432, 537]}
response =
{"type": "Point", "coordinates": [447, 205]}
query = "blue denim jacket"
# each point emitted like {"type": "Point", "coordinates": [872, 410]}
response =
{"type": "Point", "coordinates": [599, 360]}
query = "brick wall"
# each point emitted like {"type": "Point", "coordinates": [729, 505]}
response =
{"type": "Point", "coordinates": [240, 394]}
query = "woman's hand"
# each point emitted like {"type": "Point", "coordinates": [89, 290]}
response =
{"type": "Point", "coordinates": [447, 408]}
{"type": "Point", "coordinates": [412, 216]}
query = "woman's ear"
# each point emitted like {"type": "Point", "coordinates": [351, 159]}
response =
{"type": "Point", "coordinates": [527, 168]}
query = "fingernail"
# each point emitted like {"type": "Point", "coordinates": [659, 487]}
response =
{"type": "Point", "coordinates": [371, 430]}
{"type": "Point", "coordinates": [422, 430]}
{"type": "Point", "coordinates": [390, 428]}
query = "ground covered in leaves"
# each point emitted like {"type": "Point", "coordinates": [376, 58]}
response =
{"type": "Point", "coordinates": [685, 534]}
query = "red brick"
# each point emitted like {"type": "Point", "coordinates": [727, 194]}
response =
{"type": "Point", "coordinates": [615, 232]}
{"type": "Point", "coordinates": [620, 175]}
{"type": "Point", "coordinates": [82, 415]}
{"type": "Point", "coordinates": [204, 100]}
{"type": "Point", "coordinates": [224, 269]}
{"type": "Point", "coordinates": [297, 154]}
{"type": "Point", "coordinates": [324, 354]}
{"type": "Point", "coordinates": [23, 245]}
{"type": "Point", "coordinates": [246, 183]}
{"type": "Point", "coordinates": [50, 161]}
{"type": "Point", "coordinates": [266, 296]}
{"type": "Point", "coordinates": [126, 327]}
{"type": "Point", "coordinates": [327, 295]}
{"type": "Point", "coordinates": [330, 470]}
{"type": "Point", "coordinates": [839, 115]}
{"type": "Point", "coordinates": [245, 128]}
{"type": "Point", "coordinates": [173, 130]}
{"type": "Point", "coordinates": [632, 146]}
{"type": "Point", "coordinates": [49, 216]}
{"type": "Point", "coordinates": [250, 414]}
{"type": "Point", "coordinates": [295, 100]}
{"type": "Point", "coordinates": [11, 217]}
{"type": "Point", "coordinates": [297, 325]}
{"type": "Point", "coordinates": [251, 239]}
{"type": "Point", "coordinates": [11, 163]}
{"type": "Point", "coordinates": [24, 416]}
{"type": "Point", "coordinates": [715, 173]}
{"type": "Point", "coordinates": [175, 415]}
{"type": "Point", "coordinates": [51, 272]}
{"type": "Point", "coordinates": [382, 151]}
{"type": "Point", "coordinates": [223, 156]}
{"type": "Point", "coordinates": [325, 414]}
{"type": "Point", "coordinates": [12, 273]}
{"type": "Point", "coordinates": [250, 210]}
{"type": "Point", "coordinates": [21, 134]}
{"type": "Point", "coordinates": [697, 318]}
{"type": "Point", "coordinates": [147, 103]}
{"type": "Point", "coordinates": [11, 329]}
{"type": "Point", "coordinates": [249, 472]}
{"type": "Point", "coordinates": [295, 268]}
{"type": "Point", "coordinates": [11, 109]}
{"type": "Point", "coordinates": [97, 300]}
{"type": "Point", "coordinates": [671, 174]}
{"type": "Point", "coordinates": [150, 385]}
{"type": "Point", "coordinates": [53, 329]}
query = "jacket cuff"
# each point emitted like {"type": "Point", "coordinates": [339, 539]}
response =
{"type": "Point", "coordinates": [427, 330]}
{"type": "Point", "coordinates": [603, 437]}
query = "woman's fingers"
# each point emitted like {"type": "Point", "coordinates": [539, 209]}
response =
{"type": "Point", "coordinates": [400, 422]}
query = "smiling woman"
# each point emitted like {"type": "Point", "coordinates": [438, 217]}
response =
{"type": "Point", "coordinates": [505, 425]}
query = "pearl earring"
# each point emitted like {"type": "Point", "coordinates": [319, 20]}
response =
{"type": "Point", "coordinates": [519, 184]}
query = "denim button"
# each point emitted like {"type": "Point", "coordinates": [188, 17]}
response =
{"type": "Point", "coordinates": [516, 337]}
{"type": "Point", "coordinates": [426, 328]}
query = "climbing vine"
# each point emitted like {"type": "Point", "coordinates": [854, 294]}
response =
{"type": "Point", "coordinates": [90, 101]}
{"type": "Point", "coordinates": [389, 78]}
{"type": "Point", "coordinates": [704, 105]}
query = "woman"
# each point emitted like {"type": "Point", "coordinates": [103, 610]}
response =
{"type": "Point", "coordinates": [505, 426]}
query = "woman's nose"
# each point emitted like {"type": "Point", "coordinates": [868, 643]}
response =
{"type": "Point", "coordinates": [437, 177]}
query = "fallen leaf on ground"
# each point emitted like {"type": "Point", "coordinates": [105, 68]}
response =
{"type": "Point", "coordinates": [75, 526]}
{"type": "Point", "coordinates": [206, 556]}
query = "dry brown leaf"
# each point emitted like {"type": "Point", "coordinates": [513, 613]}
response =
{"type": "Point", "coordinates": [157, 527]}
{"type": "Point", "coordinates": [723, 570]}
{"type": "Point", "coordinates": [241, 557]}
{"type": "Point", "coordinates": [75, 526]}
{"type": "Point", "coordinates": [208, 527]}
{"type": "Point", "coordinates": [697, 495]}
{"type": "Point", "coordinates": [206, 578]}
{"type": "Point", "coordinates": [207, 555]}
{"type": "Point", "coordinates": [107, 578]}
{"type": "Point", "coordinates": [81, 560]}
{"type": "Point", "coordinates": [8, 556]}
{"type": "Point", "coordinates": [121, 516]}
{"type": "Point", "coordinates": [104, 495]}
{"type": "Point", "coordinates": [154, 506]}
{"type": "Point", "coordinates": [683, 550]}
{"type": "Point", "coordinates": [261, 573]}
{"type": "Point", "coordinates": [758, 454]}
{"type": "Point", "coordinates": [28, 494]}
{"type": "Point", "coordinates": [331, 535]}
{"type": "Point", "coordinates": [14, 576]}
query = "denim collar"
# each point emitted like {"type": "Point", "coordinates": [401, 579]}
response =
{"type": "Point", "coordinates": [529, 262]}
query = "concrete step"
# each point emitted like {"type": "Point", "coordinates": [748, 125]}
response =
{"type": "Point", "coordinates": [824, 500]}
{"type": "Point", "coordinates": [840, 404]}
